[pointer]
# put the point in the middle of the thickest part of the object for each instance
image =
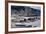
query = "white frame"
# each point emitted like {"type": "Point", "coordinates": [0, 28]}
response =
{"type": "Point", "coordinates": [23, 29]}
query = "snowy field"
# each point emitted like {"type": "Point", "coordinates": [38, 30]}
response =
{"type": "Point", "coordinates": [25, 24]}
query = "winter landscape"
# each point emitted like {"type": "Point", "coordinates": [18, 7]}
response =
{"type": "Point", "coordinates": [25, 17]}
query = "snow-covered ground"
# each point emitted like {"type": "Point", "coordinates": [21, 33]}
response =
{"type": "Point", "coordinates": [28, 23]}
{"type": "Point", "coordinates": [35, 23]}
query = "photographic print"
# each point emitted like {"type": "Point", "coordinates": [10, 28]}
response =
{"type": "Point", "coordinates": [25, 17]}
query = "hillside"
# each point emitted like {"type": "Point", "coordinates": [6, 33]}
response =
{"type": "Point", "coordinates": [25, 11]}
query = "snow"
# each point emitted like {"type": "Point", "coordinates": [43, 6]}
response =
{"type": "Point", "coordinates": [35, 23]}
